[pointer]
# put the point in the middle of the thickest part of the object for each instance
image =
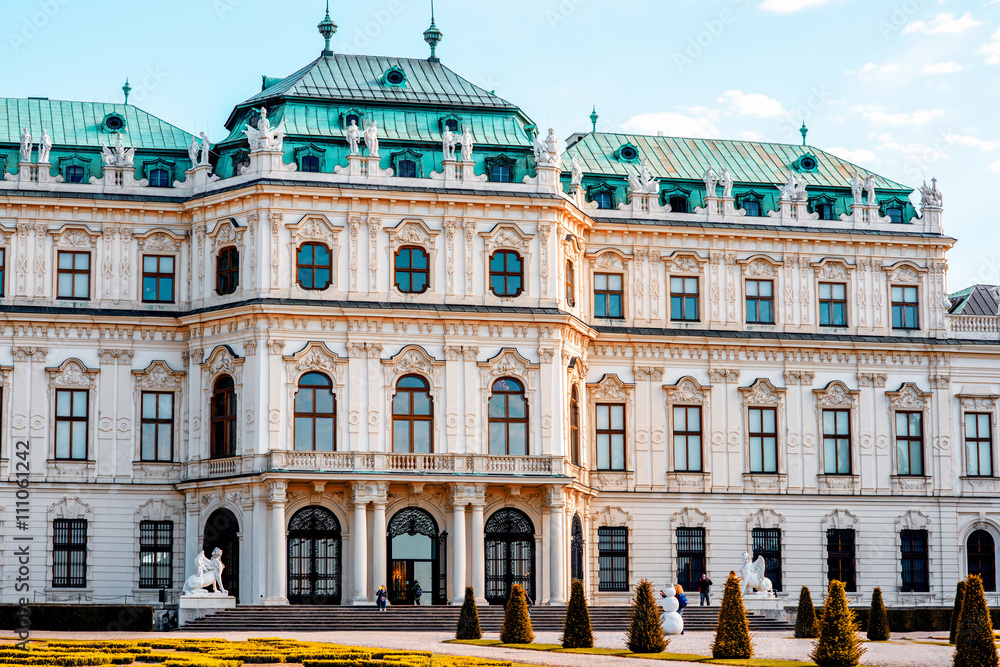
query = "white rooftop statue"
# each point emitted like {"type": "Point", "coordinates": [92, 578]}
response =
{"type": "Point", "coordinates": [263, 137]}
{"type": "Point", "coordinates": [448, 144]}
{"type": "Point", "coordinates": [467, 145]}
{"type": "Point", "coordinates": [371, 139]}
{"type": "Point", "coordinates": [711, 182]}
{"type": "Point", "coordinates": [353, 138]}
{"type": "Point", "coordinates": [25, 145]}
{"type": "Point", "coordinates": [44, 146]}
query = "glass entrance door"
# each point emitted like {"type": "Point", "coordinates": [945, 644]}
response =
{"type": "Point", "coordinates": [415, 555]}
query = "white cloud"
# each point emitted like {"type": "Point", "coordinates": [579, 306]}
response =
{"type": "Point", "coordinates": [943, 24]}
{"type": "Point", "coordinates": [972, 142]}
{"type": "Point", "coordinates": [789, 6]}
{"type": "Point", "coordinates": [913, 153]}
{"type": "Point", "coordinates": [870, 71]}
{"type": "Point", "coordinates": [700, 123]}
{"type": "Point", "coordinates": [991, 50]}
{"type": "Point", "coordinates": [752, 104]}
{"type": "Point", "coordinates": [876, 116]}
{"type": "Point", "coordinates": [859, 156]}
{"type": "Point", "coordinates": [995, 167]}
{"type": "Point", "coordinates": [750, 135]}
{"type": "Point", "coordinates": [943, 68]}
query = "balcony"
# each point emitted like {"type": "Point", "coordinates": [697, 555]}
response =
{"type": "Point", "coordinates": [380, 462]}
{"type": "Point", "coordinates": [975, 327]}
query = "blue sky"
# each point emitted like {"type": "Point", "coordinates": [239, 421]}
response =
{"type": "Point", "coordinates": [908, 88]}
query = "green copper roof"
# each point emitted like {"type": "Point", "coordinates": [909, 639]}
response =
{"type": "Point", "coordinates": [358, 78]}
{"type": "Point", "coordinates": [749, 162]}
{"type": "Point", "coordinates": [79, 124]}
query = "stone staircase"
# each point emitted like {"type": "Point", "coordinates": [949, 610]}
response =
{"type": "Point", "coordinates": [249, 618]}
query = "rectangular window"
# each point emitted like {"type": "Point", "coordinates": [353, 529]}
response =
{"type": "Point", "coordinates": [73, 275]}
{"type": "Point", "coordinates": [157, 279]}
{"type": "Point", "coordinates": [690, 557]}
{"type": "Point", "coordinates": [3, 270]}
{"type": "Point", "coordinates": [910, 443]}
{"type": "Point", "coordinates": [156, 555]}
{"type": "Point", "coordinates": [763, 433]}
{"type": "Point", "coordinates": [610, 436]}
{"type": "Point", "coordinates": [157, 439]}
{"type": "Point", "coordinates": [608, 295]}
{"type": "Point", "coordinates": [69, 553]}
{"type": "Point", "coordinates": [837, 442]}
{"type": "Point", "coordinates": [684, 299]}
{"type": "Point", "coordinates": [72, 416]}
{"type": "Point", "coordinates": [904, 308]}
{"type": "Point", "coordinates": [767, 543]}
{"type": "Point", "coordinates": [687, 438]}
{"type": "Point", "coordinates": [979, 444]}
{"type": "Point", "coordinates": [840, 558]}
{"type": "Point", "coordinates": [752, 208]}
{"type": "Point", "coordinates": [760, 302]}
{"type": "Point", "coordinates": [913, 545]}
{"type": "Point", "coordinates": [612, 558]}
{"type": "Point", "coordinates": [570, 285]}
{"type": "Point", "coordinates": [833, 304]}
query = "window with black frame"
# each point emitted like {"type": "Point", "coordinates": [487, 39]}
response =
{"type": "Point", "coordinates": [767, 543]}
{"type": "Point", "coordinates": [156, 555]}
{"type": "Point", "coordinates": [69, 553]}
{"type": "Point", "coordinates": [609, 295]}
{"type": "Point", "coordinates": [840, 563]}
{"type": "Point", "coordinates": [690, 557]}
{"type": "Point", "coordinates": [3, 271]}
{"type": "Point", "coordinates": [612, 558]}
{"type": "Point", "coordinates": [913, 547]}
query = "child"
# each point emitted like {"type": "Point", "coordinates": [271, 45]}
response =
{"type": "Point", "coordinates": [681, 600]}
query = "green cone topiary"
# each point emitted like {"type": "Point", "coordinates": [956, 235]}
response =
{"type": "Point", "coordinates": [806, 626]}
{"type": "Point", "coordinates": [645, 632]}
{"type": "Point", "coordinates": [732, 635]}
{"type": "Point", "coordinates": [838, 644]}
{"type": "Point", "coordinates": [468, 619]}
{"type": "Point", "coordinates": [878, 619]}
{"type": "Point", "coordinates": [956, 613]}
{"type": "Point", "coordinates": [577, 631]}
{"type": "Point", "coordinates": [975, 645]}
{"type": "Point", "coordinates": [516, 621]}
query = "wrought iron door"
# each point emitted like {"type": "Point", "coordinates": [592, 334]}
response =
{"type": "Point", "coordinates": [314, 560]}
{"type": "Point", "coordinates": [410, 556]}
{"type": "Point", "coordinates": [222, 530]}
{"type": "Point", "coordinates": [510, 555]}
{"type": "Point", "coordinates": [982, 558]}
{"type": "Point", "coordinates": [576, 549]}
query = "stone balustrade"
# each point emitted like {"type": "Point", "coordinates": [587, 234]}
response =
{"type": "Point", "coordinates": [974, 324]}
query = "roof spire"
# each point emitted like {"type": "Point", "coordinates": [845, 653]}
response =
{"type": "Point", "coordinates": [126, 89]}
{"type": "Point", "coordinates": [326, 28]}
{"type": "Point", "coordinates": [593, 118]}
{"type": "Point", "coordinates": [804, 131]}
{"type": "Point", "coordinates": [433, 36]}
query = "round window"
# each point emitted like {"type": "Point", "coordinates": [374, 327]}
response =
{"type": "Point", "coordinates": [114, 123]}
{"type": "Point", "coordinates": [395, 78]}
{"type": "Point", "coordinates": [629, 153]}
{"type": "Point", "coordinates": [808, 163]}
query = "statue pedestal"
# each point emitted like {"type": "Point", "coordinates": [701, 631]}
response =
{"type": "Point", "coordinates": [773, 608]}
{"type": "Point", "coordinates": [194, 607]}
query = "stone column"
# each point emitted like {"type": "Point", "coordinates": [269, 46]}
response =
{"type": "Point", "coordinates": [478, 553]}
{"type": "Point", "coordinates": [277, 586]}
{"type": "Point", "coordinates": [458, 579]}
{"type": "Point", "coordinates": [557, 546]}
{"type": "Point", "coordinates": [359, 540]}
{"type": "Point", "coordinates": [379, 545]}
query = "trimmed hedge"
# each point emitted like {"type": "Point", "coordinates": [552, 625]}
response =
{"type": "Point", "coordinates": [921, 619]}
{"type": "Point", "coordinates": [80, 617]}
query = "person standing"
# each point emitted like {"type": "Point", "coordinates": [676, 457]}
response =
{"type": "Point", "coordinates": [417, 592]}
{"type": "Point", "coordinates": [682, 601]}
{"type": "Point", "coordinates": [382, 597]}
{"type": "Point", "coordinates": [705, 589]}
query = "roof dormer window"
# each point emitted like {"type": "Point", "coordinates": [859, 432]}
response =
{"type": "Point", "coordinates": [627, 153]}
{"type": "Point", "coordinates": [394, 77]}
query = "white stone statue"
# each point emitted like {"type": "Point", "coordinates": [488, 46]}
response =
{"type": "Point", "coordinates": [206, 149]}
{"type": "Point", "coordinates": [672, 622]}
{"type": "Point", "coordinates": [25, 145]}
{"type": "Point", "coordinates": [263, 137]}
{"type": "Point", "coordinates": [577, 178]}
{"type": "Point", "coordinates": [727, 184]}
{"type": "Point", "coordinates": [547, 150]}
{"type": "Point", "coordinates": [857, 188]}
{"type": "Point", "coordinates": [209, 573]}
{"type": "Point", "coordinates": [711, 182]}
{"type": "Point", "coordinates": [371, 139]}
{"type": "Point", "coordinates": [193, 152]}
{"type": "Point", "coordinates": [467, 145]}
{"type": "Point", "coordinates": [119, 156]}
{"type": "Point", "coordinates": [353, 138]}
{"type": "Point", "coordinates": [634, 184]}
{"type": "Point", "coordinates": [870, 189]}
{"type": "Point", "coordinates": [931, 196]}
{"type": "Point", "coordinates": [448, 142]}
{"type": "Point", "coordinates": [794, 189]}
{"type": "Point", "coordinates": [44, 146]}
{"type": "Point", "coordinates": [752, 575]}
{"type": "Point", "coordinates": [643, 183]}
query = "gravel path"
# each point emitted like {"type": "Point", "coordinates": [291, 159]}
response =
{"type": "Point", "coordinates": [903, 651]}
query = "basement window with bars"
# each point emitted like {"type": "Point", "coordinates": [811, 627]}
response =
{"type": "Point", "coordinates": [767, 543]}
{"type": "Point", "coordinates": [913, 548]}
{"type": "Point", "coordinates": [156, 557]}
{"type": "Point", "coordinates": [69, 553]}
{"type": "Point", "coordinates": [612, 556]}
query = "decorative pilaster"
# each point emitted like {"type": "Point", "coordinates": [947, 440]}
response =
{"type": "Point", "coordinates": [277, 498]}
{"type": "Point", "coordinates": [556, 503]}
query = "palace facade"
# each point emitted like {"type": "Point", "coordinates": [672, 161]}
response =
{"type": "Point", "coordinates": [384, 333]}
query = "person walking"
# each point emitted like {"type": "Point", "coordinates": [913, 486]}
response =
{"type": "Point", "coordinates": [382, 597]}
{"type": "Point", "coordinates": [705, 589]}
{"type": "Point", "coordinates": [417, 592]}
{"type": "Point", "coordinates": [682, 601]}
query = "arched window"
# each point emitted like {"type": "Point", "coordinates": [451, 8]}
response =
{"type": "Point", "coordinates": [315, 266]}
{"type": "Point", "coordinates": [506, 273]}
{"type": "Point", "coordinates": [224, 418]}
{"type": "Point", "coordinates": [315, 414]}
{"type": "Point", "coordinates": [508, 417]}
{"type": "Point", "coordinates": [574, 426]}
{"type": "Point", "coordinates": [570, 285]}
{"type": "Point", "coordinates": [159, 178]}
{"type": "Point", "coordinates": [310, 163]}
{"type": "Point", "coordinates": [982, 558]}
{"type": "Point", "coordinates": [412, 272]}
{"type": "Point", "coordinates": [227, 270]}
{"type": "Point", "coordinates": [412, 417]}
{"type": "Point", "coordinates": [407, 169]}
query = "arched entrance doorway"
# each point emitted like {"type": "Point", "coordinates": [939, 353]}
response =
{"type": "Point", "coordinates": [510, 555]}
{"type": "Point", "coordinates": [314, 557]}
{"type": "Point", "coordinates": [982, 558]}
{"type": "Point", "coordinates": [222, 530]}
{"type": "Point", "coordinates": [416, 558]}
{"type": "Point", "coordinates": [576, 548]}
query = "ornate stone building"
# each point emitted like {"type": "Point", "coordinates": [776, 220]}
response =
{"type": "Point", "coordinates": [384, 332]}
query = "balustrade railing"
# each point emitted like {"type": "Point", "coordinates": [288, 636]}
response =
{"type": "Point", "coordinates": [974, 324]}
